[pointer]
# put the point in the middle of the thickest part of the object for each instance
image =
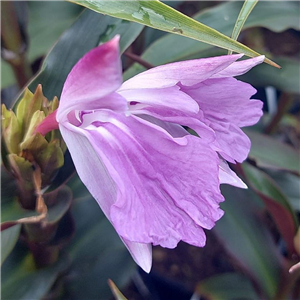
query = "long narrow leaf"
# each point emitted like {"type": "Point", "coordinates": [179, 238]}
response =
{"type": "Point", "coordinates": [160, 16]}
{"type": "Point", "coordinates": [117, 294]}
{"type": "Point", "coordinates": [243, 16]}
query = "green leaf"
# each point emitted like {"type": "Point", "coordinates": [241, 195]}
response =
{"type": "Point", "coordinates": [160, 16]}
{"type": "Point", "coordinates": [96, 252]}
{"type": "Point", "coordinates": [47, 21]}
{"type": "Point", "coordinates": [246, 238]}
{"type": "Point", "coordinates": [276, 203]}
{"type": "Point", "coordinates": [279, 17]}
{"type": "Point", "coordinates": [78, 188]}
{"type": "Point", "coordinates": [289, 184]}
{"type": "Point", "coordinates": [9, 238]}
{"type": "Point", "coordinates": [243, 15]}
{"type": "Point", "coordinates": [22, 280]}
{"type": "Point", "coordinates": [270, 153]}
{"type": "Point", "coordinates": [222, 17]}
{"type": "Point", "coordinates": [7, 75]}
{"type": "Point", "coordinates": [227, 286]}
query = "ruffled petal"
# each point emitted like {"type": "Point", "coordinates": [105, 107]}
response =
{"type": "Point", "coordinates": [169, 105]}
{"type": "Point", "coordinates": [231, 142]}
{"type": "Point", "coordinates": [96, 75]}
{"type": "Point", "coordinates": [168, 189]}
{"type": "Point", "coordinates": [169, 115]}
{"type": "Point", "coordinates": [188, 73]}
{"type": "Point", "coordinates": [226, 106]}
{"type": "Point", "coordinates": [99, 182]}
{"type": "Point", "coordinates": [173, 129]}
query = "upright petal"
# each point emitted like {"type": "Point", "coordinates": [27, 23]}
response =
{"type": "Point", "coordinates": [99, 182]}
{"type": "Point", "coordinates": [239, 67]}
{"type": "Point", "coordinates": [96, 75]}
{"type": "Point", "coordinates": [169, 98]}
{"type": "Point", "coordinates": [187, 73]}
{"type": "Point", "coordinates": [168, 189]}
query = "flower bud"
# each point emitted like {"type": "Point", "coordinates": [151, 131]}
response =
{"type": "Point", "coordinates": [27, 149]}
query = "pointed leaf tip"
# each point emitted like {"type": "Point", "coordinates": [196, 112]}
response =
{"type": "Point", "coordinates": [116, 292]}
{"type": "Point", "coordinates": [271, 63]}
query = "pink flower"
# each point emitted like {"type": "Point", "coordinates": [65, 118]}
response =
{"type": "Point", "coordinates": [155, 182]}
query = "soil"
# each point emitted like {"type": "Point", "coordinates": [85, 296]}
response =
{"type": "Point", "coordinates": [176, 272]}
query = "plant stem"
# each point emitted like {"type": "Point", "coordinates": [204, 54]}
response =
{"type": "Point", "coordinates": [13, 43]}
{"type": "Point", "coordinates": [285, 102]}
{"type": "Point", "coordinates": [139, 60]}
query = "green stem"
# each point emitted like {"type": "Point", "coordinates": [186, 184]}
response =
{"type": "Point", "coordinates": [139, 60]}
{"type": "Point", "coordinates": [13, 45]}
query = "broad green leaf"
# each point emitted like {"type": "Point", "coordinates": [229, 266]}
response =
{"type": "Point", "coordinates": [9, 238]}
{"type": "Point", "coordinates": [243, 15]}
{"type": "Point", "coordinates": [227, 286]}
{"type": "Point", "coordinates": [87, 32]}
{"type": "Point", "coordinates": [174, 3]}
{"type": "Point", "coordinates": [246, 238]}
{"type": "Point", "coordinates": [46, 22]}
{"type": "Point", "coordinates": [22, 280]}
{"type": "Point", "coordinates": [97, 254]}
{"type": "Point", "coordinates": [160, 16]}
{"type": "Point", "coordinates": [279, 17]}
{"type": "Point", "coordinates": [270, 153]}
{"type": "Point", "coordinates": [117, 294]}
{"type": "Point", "coordinates": [275, 201]}
{"type": "Point", "coordinates": [289, 184]}
{"type": "Point", "coordinates": [78, 188]}
{"type": "Point", "coordinates": [222, 17]}
{"type": "Point", "coordinates": [7, 75]}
